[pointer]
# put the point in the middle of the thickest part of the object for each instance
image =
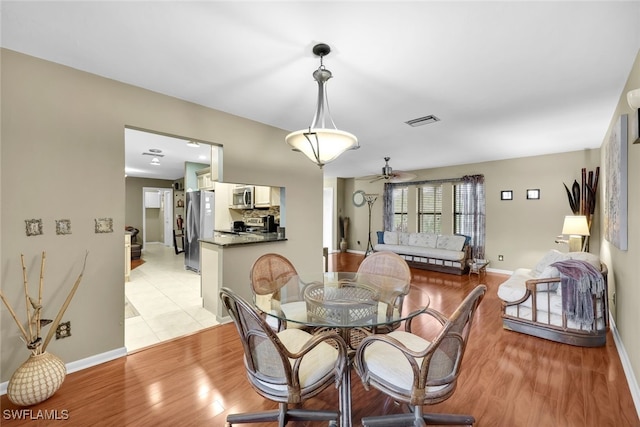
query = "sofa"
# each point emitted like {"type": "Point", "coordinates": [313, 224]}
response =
{"type": "Point", "coordinates": [533, 303]}
{"type": "Point", "coordinates": [429, 251]}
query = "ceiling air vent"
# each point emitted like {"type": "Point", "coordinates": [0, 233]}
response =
{"type": "Point", "coordinates": [422, 121]}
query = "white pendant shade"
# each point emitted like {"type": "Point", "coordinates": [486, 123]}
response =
{"type": "Point", "coordinates": [322, 145]}
{"type": "Point", "coordinates": [322, 142]}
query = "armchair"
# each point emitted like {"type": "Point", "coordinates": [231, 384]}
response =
{"type": "Point", "coordinates": [136, 248]}
{"type": "Point", "coordinates": [288, 367]}
{"type": "Point", "coordinates": [416, 371]}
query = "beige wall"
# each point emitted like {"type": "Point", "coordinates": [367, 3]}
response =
{"type": "Point", "coordinates": [521, 230]}
{"type": "Point", "coordinates": [62, 154]}
{"type": "Point", "coordinates": [623, 265]}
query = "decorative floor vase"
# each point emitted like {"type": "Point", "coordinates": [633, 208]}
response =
{"type": "Point", "coordinates": [343, 245]}
{"type": "Point", "coordinates": [36, 380]}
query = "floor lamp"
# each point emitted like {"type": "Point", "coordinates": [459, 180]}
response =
{"type": "Point", "coordinates": [371, 199]}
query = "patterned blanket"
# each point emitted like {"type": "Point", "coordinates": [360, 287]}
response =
{"type": "Point", "coordinates": [579, 281]}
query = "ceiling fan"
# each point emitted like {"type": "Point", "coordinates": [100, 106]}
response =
{"type": "Point", "coordinates": [389, 175]}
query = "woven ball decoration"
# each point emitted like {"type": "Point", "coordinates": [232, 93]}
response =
{"type": "Point", "coordinates": [36, 380]}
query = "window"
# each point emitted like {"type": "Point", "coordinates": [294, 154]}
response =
{"type": "Point", "coordinates": [400, 209]}
{"type": "Point", "coordinates": [430, 209]}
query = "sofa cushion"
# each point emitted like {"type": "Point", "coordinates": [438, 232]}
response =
{"type": "Point", "coordinates": [421, 251]}
{"type": "Point", "coordinates": [390, 238]}
{"type": "Point", "coordinates": [450, 242]}
{"type": "Point", "coordinates": [515, 286]}
{"type": "Point", "coordinates": [548, 259]}
{"type": "Point", "coordinates": [403, 238]}
{"type": "Point", "coordinates": [549, 272]}
{"type": "Point", "coordinates": [426, 240]}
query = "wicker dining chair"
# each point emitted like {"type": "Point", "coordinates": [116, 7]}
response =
{"type": "Point", "coordinates": [269, 273]}
{"type": "Point", "coordinates": [416, 371]}
{"type": "Point", "coordinates": [289, 367]}
{"type": "Point", "coordinates": [388, 264]}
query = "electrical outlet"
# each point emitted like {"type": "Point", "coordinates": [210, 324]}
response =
{"type": "Point", "coordinates": [63, 330]}
{"type": "Point", "coordinates": [500, 257]}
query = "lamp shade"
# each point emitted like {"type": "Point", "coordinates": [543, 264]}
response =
{"type": "Point", "coordinates": [322, 145]}
{"type": "Point", "coordinates": [575, 225]}
{"type": "Point", "coordinates": [633, 98]}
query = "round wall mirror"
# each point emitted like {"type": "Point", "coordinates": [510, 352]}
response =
{"type": "Point", "coordinates": [358, 198]}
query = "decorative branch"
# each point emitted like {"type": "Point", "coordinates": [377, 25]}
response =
{"type": "Point", "coordinates": [34, 320]}
{"type": "Point", "coordinates": [56, 321]}
{"type": "Point", "coordinates": [24, 333]}
{"type": "Point", "coordinates": [26, 298]}
{"type": "Point", "coordinates": [39, 307]}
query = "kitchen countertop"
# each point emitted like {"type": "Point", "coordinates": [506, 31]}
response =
{"type": "Point", "coordinates": [242, 238]}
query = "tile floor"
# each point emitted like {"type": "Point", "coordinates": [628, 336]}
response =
{"type": "Point", "coordinates": [162, 300]}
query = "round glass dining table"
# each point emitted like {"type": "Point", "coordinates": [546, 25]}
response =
{"type": "Point", "coordinates": [353, 304]}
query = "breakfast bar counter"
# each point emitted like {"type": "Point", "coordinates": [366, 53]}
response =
{"type": "Point", "coordinates": [234, 239]}
{"type": "Point", "coordinates": [226, 259]}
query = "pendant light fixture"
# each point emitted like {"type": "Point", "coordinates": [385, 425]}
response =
{"type": "Point", "coordinates": [322, 142]}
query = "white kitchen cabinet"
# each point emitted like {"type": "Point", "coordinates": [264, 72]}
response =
{"type": "Point", "coordinates": [205, 182]}
{"type": "Point", "coordinates": [152, 199]}
{"type": "Point", "coordinates": [266, 197]}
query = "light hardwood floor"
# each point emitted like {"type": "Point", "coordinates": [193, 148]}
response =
{"type": "Point", "coordinates": [508, 379]}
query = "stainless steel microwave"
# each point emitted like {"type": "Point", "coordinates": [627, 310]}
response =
{"type": "Point", "coordinates": [243, 197]}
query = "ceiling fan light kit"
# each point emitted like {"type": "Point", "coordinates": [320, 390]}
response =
{"type": "Point", "coordinates": [322, 142]}
{"type": "Point", "coordinates": [389, 175]}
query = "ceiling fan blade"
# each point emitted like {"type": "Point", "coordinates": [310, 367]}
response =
{"type": "Point", "coordinates": [368, 177]}
{"type": "Point", "coordinates": [400, 176]}
{"type": "Point", "coordinates": [378, 178]}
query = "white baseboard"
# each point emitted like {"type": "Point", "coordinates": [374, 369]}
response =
{"type": "Point", "coordinates": [626, 365]}
{"type": "Point", "coordinates": [85, 363]}
{"type": "Point", "coordinates": [499, 271]}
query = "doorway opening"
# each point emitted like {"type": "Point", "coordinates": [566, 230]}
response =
{"type": "Point", "coordinates": [162, 298]}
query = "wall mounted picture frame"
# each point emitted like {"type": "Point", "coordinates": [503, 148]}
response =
{"type": "Point", "coordinates": [63, 226]}
{"type": "Point", "coordinates": [634, 127]}
{"type": "Point", "coordinates": [615, 191]}
{"type": "Point", "coordinates": [506, 195]}
{"type": "Point", "coordinates": [104, 225]}
{"type": "Point", "coordinates": [33, 227]}
{"type": "Point", "coordinates": [533, 194]}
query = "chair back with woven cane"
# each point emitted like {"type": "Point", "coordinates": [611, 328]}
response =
{"type": "Point", "coordinates": [391, 265]}
{"type": "Point", "coordinates": [416, 371]}
{"type": "Point", "coordinates": [288, 367]}
{"type": "Point", "coordinates": [270, 272]}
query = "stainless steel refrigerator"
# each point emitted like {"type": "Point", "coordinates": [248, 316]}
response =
{"type": "Point", "coordinates": [199, 223]}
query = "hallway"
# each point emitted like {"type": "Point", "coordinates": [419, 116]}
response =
{"type": "Point", "coordinates": [162, 300]}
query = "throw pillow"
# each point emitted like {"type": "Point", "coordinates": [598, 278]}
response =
{"type": "Point", "coordinates": [403, 238]}
{"type": "Point", "coordinates": [592, 259]}
{"type": "Point", "coordinates": [548, 259]}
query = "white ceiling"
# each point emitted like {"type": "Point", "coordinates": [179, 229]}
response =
{"type": "Point", "coordinates": [507, 79]}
